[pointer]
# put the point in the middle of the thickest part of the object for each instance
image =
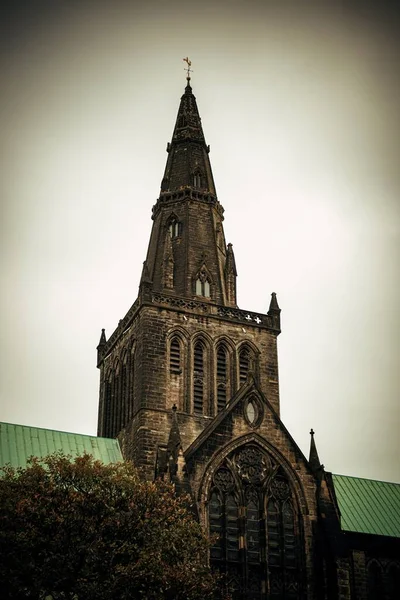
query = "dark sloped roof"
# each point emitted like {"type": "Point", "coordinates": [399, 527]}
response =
{"type": "Point", "coordinates": [19, 442]}
{"type": "Point", "coordinates": [368, 506]}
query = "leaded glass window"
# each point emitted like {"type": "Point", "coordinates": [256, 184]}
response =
{"type": "Point", "coordinates": [253, 512]}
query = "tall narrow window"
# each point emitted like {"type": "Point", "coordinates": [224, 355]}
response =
{"type": "Point", "coordinates": [375, 581]}
{"type": "Point", "coordinates": [197, 179]}
{"type": "Point", "coordinates": [216, 520]}
{"type": "Point", "coordinates": [174, 228]}
{"type": "Point", "coordinates": [221, 378]}
{"type": "Point", "coordinates": [131, 393]}
{"type": "Point", "coordinates": [198, 382]}
{"type": "Point", "coordinates": [175, 356]}
{"type": "Point", "coordinates": [116, 403]}
{"type": "Point", "coordinates": [253, 529]}
{"type": "Point", "coordinates": [124, 394]}
{"type": "Point", "coordinates": [203, 285]}
{"type": "Point", "coordinates": [232, 529]}
{"type": "Point", "coordinates": [107, 407]}
{"type": "Point", "coordinates": [244, 364]}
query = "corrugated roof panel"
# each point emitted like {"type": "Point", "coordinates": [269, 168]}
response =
{"type": "Point", "coordinates": [368, 506]}
{"type": "Point", "coordinates": [19, 442]}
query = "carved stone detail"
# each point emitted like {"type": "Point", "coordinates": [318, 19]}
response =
{"type": "Point", "coordinates": [280, 489]}
{"type": "Point", "coordinates": [180, 303]}
{"type": "Point", "coordinates": [251, 465]}
{"type": "Point", "coordinates": [223, 479]}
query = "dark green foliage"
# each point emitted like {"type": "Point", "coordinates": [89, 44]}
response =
{"type": "Point", "coordinates": [82, 530]}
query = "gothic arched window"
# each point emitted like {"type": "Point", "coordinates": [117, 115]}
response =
{"type": "Point", "coordinates": [203, 287]}
{"type": "Point", "coordinates": [124, 393]}
{"type": "Point", "coordinates": [198, 378]}
{"type": "Point", "coordinates": [107, 406]}
{"type": "Point", "coordinates": [252, 500]}
{"type": "Point", "coordinates": [174, 228]}
{"type": "Point", "coordinates": [175, 356]}
{"type": "Point", "coordinates": [222, 373]}
{"type": "Point", "coordinates": [375, 580]}
{"type": "Point", "coordinates": [244, 364]}
{"type": "Point", "coordinates": [197, 179]}
{"type": "Point", "coordinates": [131, 383]}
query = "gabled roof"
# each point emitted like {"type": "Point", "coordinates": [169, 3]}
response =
{"type": "Point", "coordinates": [249, 387]}
{"type": "Point", "coordinates": [368, 506]}
{"type": "Point", "coordinates": [19, 442]}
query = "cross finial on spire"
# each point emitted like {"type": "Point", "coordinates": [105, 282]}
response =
{"type": "Point", "coordinates": [312, 431]}
{"type": "Point", "coordinates": [188, 69]}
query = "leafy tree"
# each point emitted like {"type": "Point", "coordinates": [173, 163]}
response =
{"type": "Point", "coordinates": [79, 529]}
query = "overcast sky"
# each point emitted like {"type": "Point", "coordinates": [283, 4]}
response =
{"type": "Point", "coordinates": [300, 104]}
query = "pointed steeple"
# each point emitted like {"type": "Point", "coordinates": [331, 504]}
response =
{"type": "Point", "coordinates": [188, 164]}
{"type": "Point", "coordinates": [230, 276]}
{"type": "Point", "coordinates": [275, 312]}
{"type": "Point", "coordinates": [101, 345]}
{"type": "Point", "coordinates": [314, 461]}
{"type": "Point", "coordinates": [189, 210]}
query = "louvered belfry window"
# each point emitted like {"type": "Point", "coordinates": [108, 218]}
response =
{"type": "Point", "coordinates": [221, 378]}
{"type": "Point", "coordinates": [198, 378]}
{"type": "Point", "coordinates": [175, 356]}
{"type": "Point", "coordinates": [244, 364]}
{"type": "Point", "coordinates": [252, 500]}
{"type": "Point", "coordinates": [107, 407]}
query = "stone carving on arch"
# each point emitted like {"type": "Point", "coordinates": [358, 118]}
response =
{"type": "Point", "coordinates": [278, 461]}
{"type": "Point", "coordinates": [178, 331]}
{"type": "Point", "coordinates": [227, 341]}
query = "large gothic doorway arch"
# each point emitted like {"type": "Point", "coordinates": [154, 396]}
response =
{"type": "Point", "coordinates": [253, 514]}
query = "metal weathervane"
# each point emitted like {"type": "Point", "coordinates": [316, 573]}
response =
{"type": "Point", "coordinates": [188, 69]}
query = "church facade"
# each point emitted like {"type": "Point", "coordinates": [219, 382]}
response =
{"type": "Point", "coordinates": [189, 385]}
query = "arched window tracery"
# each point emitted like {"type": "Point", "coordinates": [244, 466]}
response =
{"type": "Point", "coordinates": [197, 179]}
{"type": "Point", "coordinates": [202, 284]}
{"type": "Point", "coordinates": [252, 500]}
{"type": "Point", "coordinates": [174, 228]}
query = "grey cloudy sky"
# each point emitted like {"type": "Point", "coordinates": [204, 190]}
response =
{"type": "Point", "coordinates": [300, 104]}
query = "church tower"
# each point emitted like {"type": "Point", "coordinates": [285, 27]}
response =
{"type": "Point", "coordinates": [184, 342]}
{"type": "Point", "coordinates": [189, 385]}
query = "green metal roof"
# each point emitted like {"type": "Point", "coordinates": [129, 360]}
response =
{"type": "Point", "coordinates": [368, 506]}
{"type": "Point", "coordinates": [19, 442]}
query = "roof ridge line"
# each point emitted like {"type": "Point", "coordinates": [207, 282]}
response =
{"type": "Point", "coordinates": [56, 430]}
{"type": "Point", "coordinates": [366, 478]}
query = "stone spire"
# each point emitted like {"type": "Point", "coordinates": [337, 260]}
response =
{"type": "Point", "coordinates": [314, 461]}
{"type": "Point", "coordinates": [230, 276]}
{"type": "Point", "coordinates": [188, 164]}
{"type": "Point", "coordinates": [187, 254]}
{"type": "Point", "coordinates": [101, 345]}
{"type": "Point", "coordinates": [274, 311]}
